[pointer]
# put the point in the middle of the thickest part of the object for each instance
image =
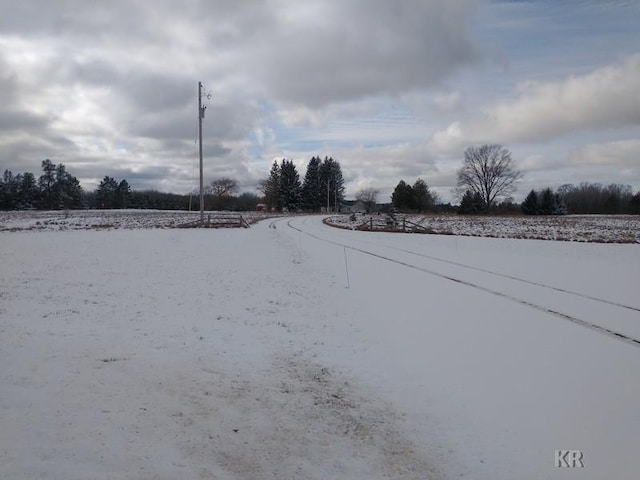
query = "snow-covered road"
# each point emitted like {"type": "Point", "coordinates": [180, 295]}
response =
{"type": "Point", "coordinates": [297, 351]}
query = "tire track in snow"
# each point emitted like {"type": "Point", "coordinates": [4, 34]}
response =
{"type": "Point", "coordinates": [577, 321]}
{"type": "Point", "coordinates": [518, 279]}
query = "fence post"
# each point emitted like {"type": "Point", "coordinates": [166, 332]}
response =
{"type": "Point", "coordinates": [371, 224]}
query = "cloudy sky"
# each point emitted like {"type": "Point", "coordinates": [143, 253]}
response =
{"type": "Point", "coordinates": [392, 89]}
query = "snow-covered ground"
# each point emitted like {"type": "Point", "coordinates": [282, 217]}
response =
{"type": "Point", "coordinates": [14, 221]}
{"type": "Point", "coordinates": [294, 350]}
{"type": "Point", "coordinates": [580, 228]}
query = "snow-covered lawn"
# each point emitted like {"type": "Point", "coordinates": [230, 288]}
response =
{"type": "Point", "coordinates": [242, 354]}
{"type": "Point", "coordinates": [581, 228]}
{"type": "Point", "coordinates": [109, 219]}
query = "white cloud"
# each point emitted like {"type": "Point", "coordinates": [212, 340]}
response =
{"type": "Point", "coordinates": [624, 153]}
{"type": "Point", "coordinates": [606, 98]}
{"type": "Point", "coordinates": [447, 101]}
{"type": "Point", "coordinates": [113, 86]}
{"type": "Point", "coordinates": [449, 139]}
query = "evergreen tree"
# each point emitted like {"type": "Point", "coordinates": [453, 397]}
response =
{"type": "Point", "coordinates": [58, 188]}
{"type": "Point", "coordinates": [471, 202]}
{"type": "Point", "coordinates": [403, 197]}
{"type": "Point", "coordinates": [270, 188]}
{"type": "Point", "coordinates": [332, 183]}
{"type": "Point", "coordinates": [560, 207]}
{"type": "Point", "coordinates": [479, 203]}
{"type": "Point", "coordinates": [290, 189]}
{"type": "Point", "coordinates": [68, 192]}
{"type": "Point", "coordinates": [422, 195]}
{"type": "Point", "coordinates": [531, 206]}
{"type": "Point", "coordinates": [547, 202]}
{"type": "Point", "coordinates": [3, 193]}
{"type": "Point", "coordinates": [29, 192]}
{"type": "Point", "coordinates": [47, 182]}
{"type": "Point", "coordinates": [122, 195]}
{"type": "Point", "coordinates": [9, 190]}
{"type": "Point", "coordinates": [312, 187]}
{"type": "Point", "coordinates": [466, 203]}
{"type": "Point", "coordinates": [634, 204]}
{"type": "Point", "coordinates": [106, 194]}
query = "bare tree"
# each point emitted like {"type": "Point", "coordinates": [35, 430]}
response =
{"type": "Point", "coordinates": [222, 187]}
{"type": "Point", "coordinates": [488, 170]}
{"type": "Point", "coordinates": [369, 197]}
{"type": "Point", "coordinates": [220, 193]}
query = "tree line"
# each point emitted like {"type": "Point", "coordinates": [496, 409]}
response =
{"type": "Point", "coordinates": [487, 174]}
{"type": "Point", "coordinates": [321, 189]}
{"type": "Point", "coordinates": [55, 189]}
{"type": "Point", "coordinates": [584, 198]}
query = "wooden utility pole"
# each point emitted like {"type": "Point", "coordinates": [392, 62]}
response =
{"type": "Point", "coordinates": [328, 181]}
{"type": "Point", "coordinates": [200, 117]}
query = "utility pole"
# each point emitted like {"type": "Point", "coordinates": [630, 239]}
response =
{"type": "Point", "coordinates": [200, 117]}
{"type": "Point", "coordinates": [328, 181]}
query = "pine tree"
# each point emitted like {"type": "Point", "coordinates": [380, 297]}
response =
{"type": "Point", "coordinates": [4, 194]}
{"type": "Point", "coordinates": [290, 189]}
{"type": "Point", "coordinates": [29, 192]}
{"type": "Point", "coordinates": [47, 182]}
{"type": "Point", "coordinates": [471, 202]}
{"type": "Point", "coordinates": [531, 206]}
{"type": "Point", "coordinates": [560, 208]}
{"type": "Point", "coordinates": [479, 203]}
{"type": "Point", "coordinates": [634, 204]}
{"type": "Point", "coordinates": [403, 197]}
{"type": "Point", "coordinates": [10, 190]}
{"type": "Point", "coordinates": [68, 192]}
{"type": "Point", "coordinates": [332, 183]}
{"type": "Point", "coordinates": [271, 188]}
{"type": "Point", "coordinates": [106, 193]}
{"type": "Point", "coordinates": [466, 203]}
{"type": "Point", "coordinates": [547, 202]}
{"type": "Point", "coordinates": [312, 187]}
{"type": "Point", "coordinates": [122, 195]}
{"type": "Point", "coordinates": [422, 195]}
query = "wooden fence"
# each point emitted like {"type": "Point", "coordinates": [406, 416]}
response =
{"type": "Point", "coordinates": [218, 221]}
{"type": "Point", "coordinates": [389, 223]}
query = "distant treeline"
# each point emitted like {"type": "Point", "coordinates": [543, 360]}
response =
{"type": "Point", "coordinates": [585, 198]}
{"type": "Point", "coordinates": [56, 189]}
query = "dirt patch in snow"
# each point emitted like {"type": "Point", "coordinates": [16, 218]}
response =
{"type": "Point", "coordinates": [296, 420]}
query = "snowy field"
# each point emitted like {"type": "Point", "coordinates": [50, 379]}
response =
{"type": "Point", "coordinates": [293, 350]}
{"type": "Point", "coordinates": [577, 228]}
{"type": "Point", "coordinates": [108, 219]}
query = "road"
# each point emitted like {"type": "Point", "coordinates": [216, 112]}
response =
{"type": "Point", "coordinates": [523, 347]}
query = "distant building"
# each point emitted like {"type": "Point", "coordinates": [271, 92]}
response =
{"type": "Point", "coordinates": [357, 206]}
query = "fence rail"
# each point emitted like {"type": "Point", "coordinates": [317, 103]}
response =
{"type": "Point", "coordinates": [217, 221]}
{"type": "Point", "coordinates": [389, 223]}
